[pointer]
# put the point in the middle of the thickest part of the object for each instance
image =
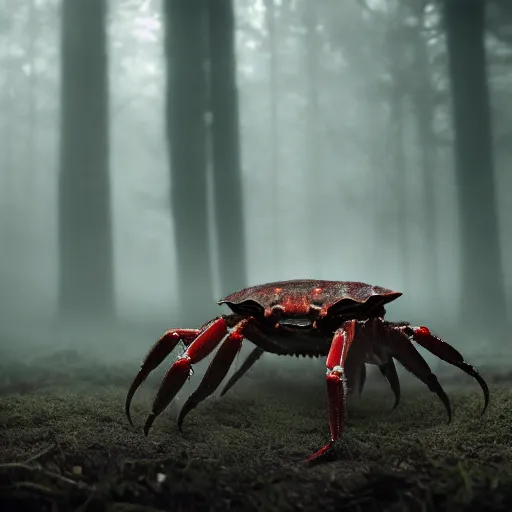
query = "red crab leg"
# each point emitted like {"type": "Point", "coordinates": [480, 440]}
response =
{"type": "Point", "coordinates": [260, 340]}
{"type": "Point", "coordinates": [404, 351]}
{"type": "Point", "coordinates": [216, 371]}
{"type": "Point", "coordinates": [389, 371]}
{"type": "Point", "coordinates": [246, 365]}
{"type": "Point", "coordinates": [446, 352]}
{"type": "Point", "coordinates": [180, 370]}
{"type": "Point", "coordinates": [337, 382]}
{"type": "Point", "coordinates": [156, 354]}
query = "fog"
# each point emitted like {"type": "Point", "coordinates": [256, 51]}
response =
{"type": "Point", "coordinates": [352, 159]}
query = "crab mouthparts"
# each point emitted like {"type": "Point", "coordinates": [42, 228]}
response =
{"type": "Point", "coordinates": [296, 323]}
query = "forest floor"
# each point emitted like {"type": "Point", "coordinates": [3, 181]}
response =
{"type": "Point", "coordinates": [65, 444]}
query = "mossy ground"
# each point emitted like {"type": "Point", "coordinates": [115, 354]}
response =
{"type": "Point", "coordinates": [66, 445]}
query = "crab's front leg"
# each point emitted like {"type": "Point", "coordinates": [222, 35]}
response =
{"type": "Point", "coordinates": [200, 343]}
{"type": "Point", "coordinates": [155, 356]}
{"type": "Point", "coordinates": [217, 370]}
{"type": "Point", "coordinates": [446, 352]}
{"type": "Point", "coordinates": [200, 348]}
{"type": "Point", "coordinates": [337, 382]}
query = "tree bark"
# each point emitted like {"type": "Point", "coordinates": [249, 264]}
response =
{"type": "Point", "coordinates": [270, 20]}
{"type": "Point", "coordinates": [483, 297]}
{"type": "Point", "coordinates": [397, 121]}
{"type": "Point", "coordinates": [422, 96]}
{"type": "Point", "coordinates": [86, 287]}
{"type": "Point", "coordinates": [398, 93]}
{"type": "Point", "coordinates": [314, 216]}
{"type": "Point", "coordinates": [32, 89]}
{"type": "Point", "coordinates": [186, 54]}
{"type": "Point", "coordinates": [227, 180]}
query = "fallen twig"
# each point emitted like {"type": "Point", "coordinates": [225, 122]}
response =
{"type": "Point", "coordinates": [42, 453]}
{"type": "Point", "coordinates": [32, 488]}
{"type": "Point", "coordinates": [16, 471]}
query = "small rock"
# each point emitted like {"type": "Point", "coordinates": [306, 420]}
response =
{"type": "Point", "coordinates": [76, 470]}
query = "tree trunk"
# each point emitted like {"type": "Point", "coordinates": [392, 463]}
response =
{"type": "Point", "coordinates": [422, 96]}
{"type": "Point", "coordinates": [398, 164]}
{"type": "Point", "coordinates": [86, 288]}
{"type": "Point", "coordinates": [7, 225]}
{"type": "Point", "coordinates": [483, 297]}
{"type": "Point", "coordinates": [32, 89]}
{"type": "Point", "coordinates": [227, 180]}
{"type": "Point", "coordinates": [185, 48]}
{"type": "Point", "coordinates": [270, 20]}
{"type": "Point", "coordinates": [314, 215]}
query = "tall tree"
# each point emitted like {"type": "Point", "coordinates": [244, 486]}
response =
{"type": "Point", "coordinates": [397, 103]}
{"type": "Point", "coordinates": [6, 171]}
{"type": "Point", "coordinates": [422, 95]}
{"type": "Point", "coordinates": [186, 55]}
{"type": "Point", "coordinates": [315, 215]}
{"type": "Point", "coordinates": [227, 180]}
{"type": "Point", "coordinates": [6, 139]}
{"type": "Point", "coordinates": [32, 88]}
{"type": "Point", "coordinates": [270, 20]}
{"type": "Point", "coordinates": [86, 273]}
{"type": "Point", "coordinates": [483, 297]}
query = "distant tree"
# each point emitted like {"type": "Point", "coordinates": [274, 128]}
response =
{"type": "Point", "coordinates": [227, 180]}
{"type": "Point", "coordinates": [86, 287]}
{"type": "Point", "coordinates": [397, 92]}
{"type": "Point", "coordinates": [7, 90]}
{"type": "Point", "coordinates": [312, 148]}
{"type": "Point", "coordinates": [412, 104]}
{"type": "Point", "coordinates": [422, 96]}
{"type": "Point", "coordinates": [499, 16]}
{"type": "Point", "coordinates": [270, 21]}
{"type": "Point", "coordinates": [186, 56]}
{"type": "Point", "coordinates": [32, 88]}
{"type": "Point", "coordinates": [483, 297]}
{"type": "Point", "coordinates": [373, 45]}
{"type": "Point", "coordinates": [499, 26]}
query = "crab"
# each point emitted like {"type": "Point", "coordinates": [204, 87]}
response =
{"type": "Point", "coordinates": [340, 320]}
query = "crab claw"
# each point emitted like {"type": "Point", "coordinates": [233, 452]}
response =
{"type": "Point", "coordinates": [157, 353]}
{"type": "Point", "coordinates": [388, 369]}
{"type": "Point", "coordinates": [435, 345]}
{"type": "Point", "coordinates": [173, 381]}
{"type": "Point", "coordinates": [216, 371]}
{"type": "Point", "coordinates": [404, 351]}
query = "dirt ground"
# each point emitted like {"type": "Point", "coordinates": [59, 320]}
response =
{"type": "Point", "coordinates": [65, 444]}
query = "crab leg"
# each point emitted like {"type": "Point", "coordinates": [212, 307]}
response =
{"type": "Point", "coordinates": [446, 352]}
{"type": "Point", "coordinates": [356, 378]}
{"type": "Point", "coordinates": [337, 382]}
{"type": "Point", "coordinates": [216, 371]}
{"type": "Point", "coordinates": [362, 378]}
{"type": "Point", "coordinates": [157, 353]}
{"type": "Point", "coordinates": [246, 365]}
{"type": "Point", "coordinates": [388, 369]}
{"type": "Point", "coordinates": [404, 351]}
{"type": "Point", "coordinates": [180, 370]}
